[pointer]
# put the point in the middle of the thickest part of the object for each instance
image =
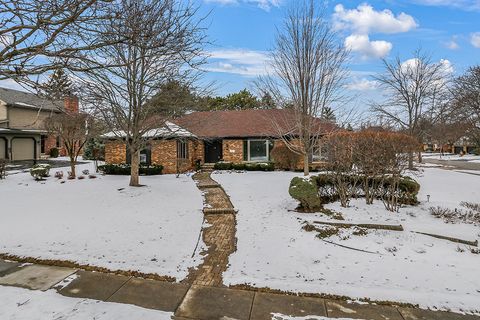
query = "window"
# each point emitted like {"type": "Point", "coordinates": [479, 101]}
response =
{"type": "Point", "coordinates": [57, 143]}
{"type": "Point", "coordinates": [42, 144]}
{"type": "Point", "coordinates": [257, 150]}
{"type": "Point", "coordinates": [319, 153]}
{"type": "Point", "coordinates": [143, 156]}
{"type": "Point", "coordinates": [182, 149]}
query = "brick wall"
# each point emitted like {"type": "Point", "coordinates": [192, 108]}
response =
{"type": "Point", "coordinates": [115, 152]}
{"type": "Point", "coordinates": [164, 152]}
{"type": "Point", "coordinates": [233, 151]}
{"type": "Point", "coordinates": [197, 150]}
{"type": "Point", "coordinates": [71, 104]}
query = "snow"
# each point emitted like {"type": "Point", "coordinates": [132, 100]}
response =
{"type": "Point", "coordinates": [103, 222]}
{"type": "Point", "coordinates": [452, 157]}
{"type": "Point", "coordinates": [23, 304]}
{"type": "Point", "coordinates": [168, 131]}
{"type": "Point", "coordinates": [279, 316]}
{"type": "Point", "coordinates": [273, 251]}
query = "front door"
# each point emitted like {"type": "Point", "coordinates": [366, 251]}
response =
{"type": "Point", "coordinates": [213, 151]}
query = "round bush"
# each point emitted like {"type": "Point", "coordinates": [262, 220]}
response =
{"type": "Point", "coordinates": [40, 171]}
{"type": "Point", "coordinates": [305, 190]}
{"type": "Point", "coordinates": [54, 152]}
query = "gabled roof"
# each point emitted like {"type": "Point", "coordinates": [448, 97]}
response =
{"type": "Point", "coordinates": [244, 123]}
{"type": "Point", "coordinates": [169, 130]}
{"type": "Point", "coordinates": [28, 100]}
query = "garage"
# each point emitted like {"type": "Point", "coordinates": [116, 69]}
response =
{"type": "Point", "coordinates": [3, 148]}
{"type": "Point", "coordinates": [23, 149]}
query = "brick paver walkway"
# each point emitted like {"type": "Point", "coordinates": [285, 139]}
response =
{"type": "Point", "coordinates": [219, 236]}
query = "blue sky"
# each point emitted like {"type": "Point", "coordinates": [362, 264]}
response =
{"type": "Point", "coordinates": [243, 31]}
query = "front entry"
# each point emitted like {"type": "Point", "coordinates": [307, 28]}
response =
{"type": "Point", "coordinates": [213, 151]}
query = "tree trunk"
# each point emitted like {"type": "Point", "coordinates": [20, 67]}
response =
{"type": "Point", "coordinates": [134, 170]}
{"type": "Point", "coordinates": [306, 169]}
{"type": "Point", "coordinates": [73, 173]}
{"type": "Point", "coordinates": [420, 159]}
{"type": "Point", "coordinates": [410, 161]}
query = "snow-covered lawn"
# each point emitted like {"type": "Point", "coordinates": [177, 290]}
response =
{"type": "Point", "coordinates": [103, 222]}
{"type": "Point", "coordinates": [17, 303]}
{"type": "Point", "coordinates": [274, 251]}
{"type": "Point", "coordinates": [450, 156]}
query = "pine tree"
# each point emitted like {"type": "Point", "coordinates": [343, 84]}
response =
{"type": "Point", "coordinates": [57, 86]}
{"type": "Point", "coordinates": [328, 114]}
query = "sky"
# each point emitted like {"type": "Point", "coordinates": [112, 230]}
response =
{"type": "Point", "coordinates": [242, 32]}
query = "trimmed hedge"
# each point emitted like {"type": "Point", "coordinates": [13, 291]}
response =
{"type": "Point", "coordinates": [124, 169]}
{"type": "Point", "coordinates": [249, 166]}
{"type": "Point", "coordinates": [408, 188]}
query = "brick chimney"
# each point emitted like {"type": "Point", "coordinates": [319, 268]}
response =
{"type": "Point", "coordinates": [70, 104]}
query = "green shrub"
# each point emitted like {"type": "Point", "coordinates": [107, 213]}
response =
{"type": "Point", "coordinates": [94, 149]}
{"type": "Point", "coordinates": [249, 166]}
{"type": "Point", "coordinates": [305, 191]}
{"type": "Point", "coordinates": [238, 166]}
{"type": "Point", "coordinates": [223, 166]}
{"type": "Point", "coordinates": [269, 166]}
{"type": "Point", "coordinates": [252, 166]}
{"type": "Point", "coordinates": [124, 169]}
{"type": "Point", "coordinates": [476, 151]}
{"type": "Point", "coordinates": [54, 152]}
{"type": "Point", "coordinates": [40, 171]}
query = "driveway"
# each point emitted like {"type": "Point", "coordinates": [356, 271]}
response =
{"type": "Point", "coordinates": [455, 164]}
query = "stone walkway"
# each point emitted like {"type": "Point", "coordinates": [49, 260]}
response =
{"type": "Point", "coordinates": [219, 236]}
{"type": "Point", "coordinates": [199, 302]}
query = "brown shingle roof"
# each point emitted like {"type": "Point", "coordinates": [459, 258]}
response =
{"type": "Point", "coordinates": [242, 123]}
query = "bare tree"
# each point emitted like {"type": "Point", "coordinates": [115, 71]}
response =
{"type": "Point", "coordinates": [308, 75]}
{"type": "Point", "coordinates": [412, 88]}
{"type": "Point", "coordinates": [74, 129]}
{"type": "Point", "coordinates": [466, 101]}
{"type": "Point", "coordinates": [37, 36]}
{"type": "Point", "coordinates": [164, 42]}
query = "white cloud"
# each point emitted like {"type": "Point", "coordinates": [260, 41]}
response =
{"type": "Point", "coordinates": [452, 44]}
{"type": "Point", "coordinates": [365, 20]}
{"type": "Point", "coordinates": [366, 48]}
{"type": "Point", "coordinates": [238, 61]}
{"type": "Point", "coordinates": [263, 4]}
{"type": "Point", "coordinates": [362, 85]}
{"type": "Point", "coordinates": [475, 39]}
{"type": "Point", "coordinates": [446, 67]}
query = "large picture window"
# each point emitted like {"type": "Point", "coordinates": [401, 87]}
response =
{"type": "Point", "coordinates": [257, 150]}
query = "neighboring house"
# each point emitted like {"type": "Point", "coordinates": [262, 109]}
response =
{"type": "Point", "coordinates": [462, 146]}
{"type": "Point", "coordinates": [22, 130]}
{"type": "Point", "coordinates": [212, 136]}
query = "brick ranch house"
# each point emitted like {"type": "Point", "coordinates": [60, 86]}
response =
{"type": "Point", "coordinates": [22, 124]}
{"type": "Point", "coordinates": [213, 136]}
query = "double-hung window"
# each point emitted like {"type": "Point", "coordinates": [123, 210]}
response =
{"type": "Point", "coordinates": [182, 149]}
